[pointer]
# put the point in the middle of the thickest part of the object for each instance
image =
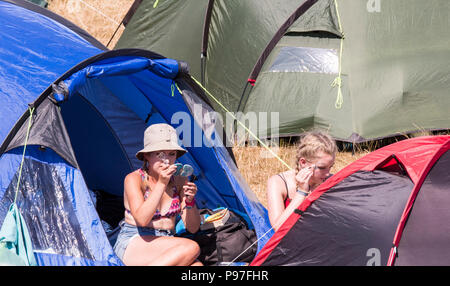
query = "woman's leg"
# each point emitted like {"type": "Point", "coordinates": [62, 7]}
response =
{"type": "Point", "coordinates": [197, 263]}
{"type": "Point", "coordinates": [161, 250]}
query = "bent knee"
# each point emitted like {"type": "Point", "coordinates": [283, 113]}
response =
{"type": "Point", "coordinates": [191, 248]}
{"type": "Point", "coordinates": [195, 248]}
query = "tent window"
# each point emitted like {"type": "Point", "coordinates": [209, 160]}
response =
{"type": "Point", "coordinates": [48, 211]}
{"type": "Point", "coordinates": [309, 60]}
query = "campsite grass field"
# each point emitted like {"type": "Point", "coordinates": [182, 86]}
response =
{"type": "Point", "coordinates": [256, 168]}
{"type": "Point", "coordinates": [101, 18]}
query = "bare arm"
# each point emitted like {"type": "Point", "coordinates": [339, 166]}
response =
{"type": "Point", "coordinates": [277, 192]}
{"type": "Point", "coordinates": [295, 203]}
{"type": "Point", "coordinates": [190, 214]}
{"type": "Point", "coordinates": [143, 210]}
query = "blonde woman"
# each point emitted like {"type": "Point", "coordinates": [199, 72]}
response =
{"type": "Point", "coordinates": [153, 197]}
{"type": "Point", "coordinates": [286, 191]}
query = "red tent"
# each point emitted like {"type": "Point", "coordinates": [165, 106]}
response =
{"type": "Point", "coordinates": [390, 207]}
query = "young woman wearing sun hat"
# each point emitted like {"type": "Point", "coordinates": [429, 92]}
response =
{"type": "Point", "coordinates": [153, 197]}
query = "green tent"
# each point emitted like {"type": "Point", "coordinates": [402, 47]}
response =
{"type": "Point", "coordinates": [361, 69]}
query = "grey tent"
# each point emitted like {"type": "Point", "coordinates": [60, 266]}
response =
{"type": "Point", "coordinates": [361, 69]}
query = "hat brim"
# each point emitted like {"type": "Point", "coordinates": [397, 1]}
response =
{"type": "Point", "coordinates": [161, 147]}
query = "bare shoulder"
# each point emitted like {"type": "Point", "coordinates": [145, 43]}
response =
{"type": "Point", "coordinates": [289, 175]}
{"type": "Point", "coordinates": [133, 176]}
{"type": "Point", "coordinates": [279, 181]}
{"type": "Point", "coordinates": [276, 184]}
{"type": "Point", "coordinates": [132, 180]}
{"type": "Point", "coordinates": [281, 177]}
{"type": "Point", "coordinates": [274, 179]}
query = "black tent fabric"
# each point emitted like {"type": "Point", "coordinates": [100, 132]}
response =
{"type": "Point", "coordinates": [426, 237]}
{"type": "Point", "coordinates": [357, 215]}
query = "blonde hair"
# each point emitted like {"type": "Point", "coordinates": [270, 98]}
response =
{"type": "Point", "coordinates": [313, 142]}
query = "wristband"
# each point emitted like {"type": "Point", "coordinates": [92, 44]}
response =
{"type": "Point", "coordinates": [302, 192]}
{"type": "Point", "coordinates": [191, 204]}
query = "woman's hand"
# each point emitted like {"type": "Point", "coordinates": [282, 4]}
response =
{"type": "Point", "coordinates": [189, 191]}
{"type": "Point", "coordinates": [190, 214]}
{"type": "Point", "coordinates": [303, 176]}
{"type": "Point", "coordinates": [165, 172]}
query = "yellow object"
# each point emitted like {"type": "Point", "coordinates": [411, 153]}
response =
{"type": "Point", "coordinates": [217, 215]}
{"type": "Point", "coordinates": [215, 220]}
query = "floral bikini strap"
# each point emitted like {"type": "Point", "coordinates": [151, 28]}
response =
{"type": "Point", "coordinates": [143, 174]}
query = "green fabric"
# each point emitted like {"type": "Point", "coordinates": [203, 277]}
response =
{"type": "Point", "coordinates": [395, 71]}
{"type": "Point", "coordinates": [395, 62]}
{"type": "Point", "coordinates": [321, 16]}
{"type": "Point", "coordinates": [15, 242]}
{"type": "Point", "coordinates": [41, 3]}
{"type": "Point", "coordinates": [238, 35]}
{"type": "Point", "coordinates": [173, 29]}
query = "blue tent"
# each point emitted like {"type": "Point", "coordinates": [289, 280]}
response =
{"type": "Point", "coordinates": [90, 109]}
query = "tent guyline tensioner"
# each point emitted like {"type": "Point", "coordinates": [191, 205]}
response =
{"type": "Point", "coordinates": [338, 80]}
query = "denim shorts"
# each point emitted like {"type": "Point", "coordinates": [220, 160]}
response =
{"type": "Point", "coordinates": [128, 231]}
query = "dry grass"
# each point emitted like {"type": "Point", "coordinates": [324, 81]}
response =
{"type": "Point", "coordinates": [101, 18]}
{"type": "Point", "coordinates": [256, 167]}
